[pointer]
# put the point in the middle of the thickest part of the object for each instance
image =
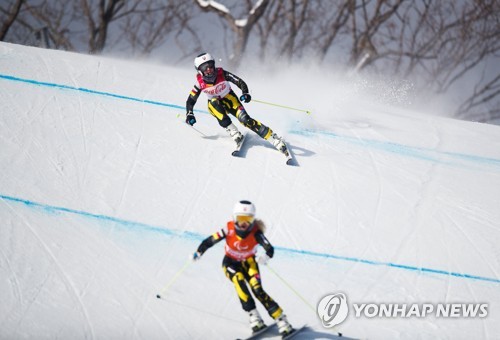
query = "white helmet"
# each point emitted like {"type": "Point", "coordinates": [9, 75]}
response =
{"type": "Point", "coordinates": [205, 65]}
{"type": "Point", "coordinates": [245, 210]}
{"type": "Point", "coordinates": [202, 59]}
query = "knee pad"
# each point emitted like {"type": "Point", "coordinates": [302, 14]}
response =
{"type": "Point", "coordinates": [225, 121]}
{"type": "Point", "coordinates": [244, 118]}
{"type": "Point", "coordinates": [260, 293]}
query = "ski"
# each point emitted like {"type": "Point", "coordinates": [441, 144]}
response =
{"type": "Point", "coordinates": [236, 151]}
{"type": "Point", "coordinates": [259, 333]}
{"type": "Point", "coordinates": [293, 333]}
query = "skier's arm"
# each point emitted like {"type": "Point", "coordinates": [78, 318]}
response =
{"type": "Point", "coordinates": [236, 80]}
{"type": "Point", "coordinates": [190, 102]}
{"type": "Point", "coordinates": [192, 98]}
{"type": "Point", "coordinates": [210, 241]}
{"type": "Point", "coordinates": [264, 242]}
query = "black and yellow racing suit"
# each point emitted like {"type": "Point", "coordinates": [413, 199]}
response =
{"type": "Point", "coordinates": [220, 107]}
{"type": "Point", "coordinates": [246, 270]}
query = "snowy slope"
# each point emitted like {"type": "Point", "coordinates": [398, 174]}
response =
{"type": "Point", "coordinates": [105, 192]}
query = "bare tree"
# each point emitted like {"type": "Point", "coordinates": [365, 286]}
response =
{"type": "Point", "coordinates": [42, 23]}
{"type": "Point", "coordinates": [266, 26]}
{"type": "Point", "coordinates": [441, 45]}
{"type": "Point", "coordinates": [240, 27]}
{"type": "Point", "coordinates": [92, 25]}
{"type": "Point", "coordinates": [155, 22]}
{"type": "Point", "coordinates": [296, 18]}
{"type": "Point", "coordinates": [483, 105]}
{"type": "Point", "coordinates": [192, 43]}
{"type": "Point", "coordinates": [331, 24]}
{"type": "Point", "coordinates": [444, 43]}
{"type": "Point", "coordinates": [366, 22]}
{"type": "Point", "coordinates": [51, 23]}
{"type": "Point", "coordinates": [10, 13]}
{"type": "Point", "coordinates": [100, 17]}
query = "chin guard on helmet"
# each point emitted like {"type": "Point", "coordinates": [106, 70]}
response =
{"type": "Point", "coordinates": [205, 65]}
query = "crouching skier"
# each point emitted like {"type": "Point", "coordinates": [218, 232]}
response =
{"type": "Point", "coordinates": [214, 82]}
{"type": "Point", "coordinates": [243, 234]}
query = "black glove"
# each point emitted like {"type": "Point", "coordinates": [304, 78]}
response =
{"type": "Point", "coordinates": [270, 252]}
{"type": "Point", "coordinates": [190, 118]}
{"type": "Point", "coordinates": [245, 97]}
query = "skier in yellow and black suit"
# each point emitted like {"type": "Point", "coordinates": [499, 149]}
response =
{"type": "Point", "coordinates": [214, 82]}
{"type": "Point", "coordinates": [242, 235]}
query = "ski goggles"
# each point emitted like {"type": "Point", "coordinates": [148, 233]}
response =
{"type": "Point", "coordinates": [240, 219]}
{"type": "Point", "coordinates": [209, 64]}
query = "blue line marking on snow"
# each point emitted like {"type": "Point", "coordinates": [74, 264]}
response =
{"type": "Point", "coordinates": [427, 154]}
{"type": "Point", "coordinates": [389, 264]}
{"type": "Point", "coordinates": [198, 237]}
{"type": "Point", "coordinates": [130, 224]}
{"type": "Point", "coordinates": [436, 156]}
{"type": "Point", "coordinates": [414, 152]}
{"type": "Point", "coordinates": [90, 91]}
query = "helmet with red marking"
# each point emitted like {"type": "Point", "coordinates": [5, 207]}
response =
{"type": "Point", "coordinates": [205, 65]}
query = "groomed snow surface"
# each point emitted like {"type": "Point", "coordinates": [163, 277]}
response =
{"type": "Point", "coordinates": [105, 192]}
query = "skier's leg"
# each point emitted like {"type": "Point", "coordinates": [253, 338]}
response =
{"type": "Point", "coordinates": [234, 107]}
{"type": "Point", "coordinates": [238, 280]}
{"type": "Point", "coordinates": [252, 274]}
{"type": "Point", "coordinates": [233, 271]}
{"type": "Point", "coordinates": [217, 110]}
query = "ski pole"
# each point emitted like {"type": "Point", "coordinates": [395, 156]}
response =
{"type": "Point", "coordinates": [173, 279]}
{"type": "Point", "coordinates": [291, 288]}
{"type": "Point", "coordinates": [295, 291]}
{"type": "Point", "coordinates": [201, 133]}
{"type": "Point", "coordinates": [283, 106]}
{"type": "Point", "coordinates": [195, 129]}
